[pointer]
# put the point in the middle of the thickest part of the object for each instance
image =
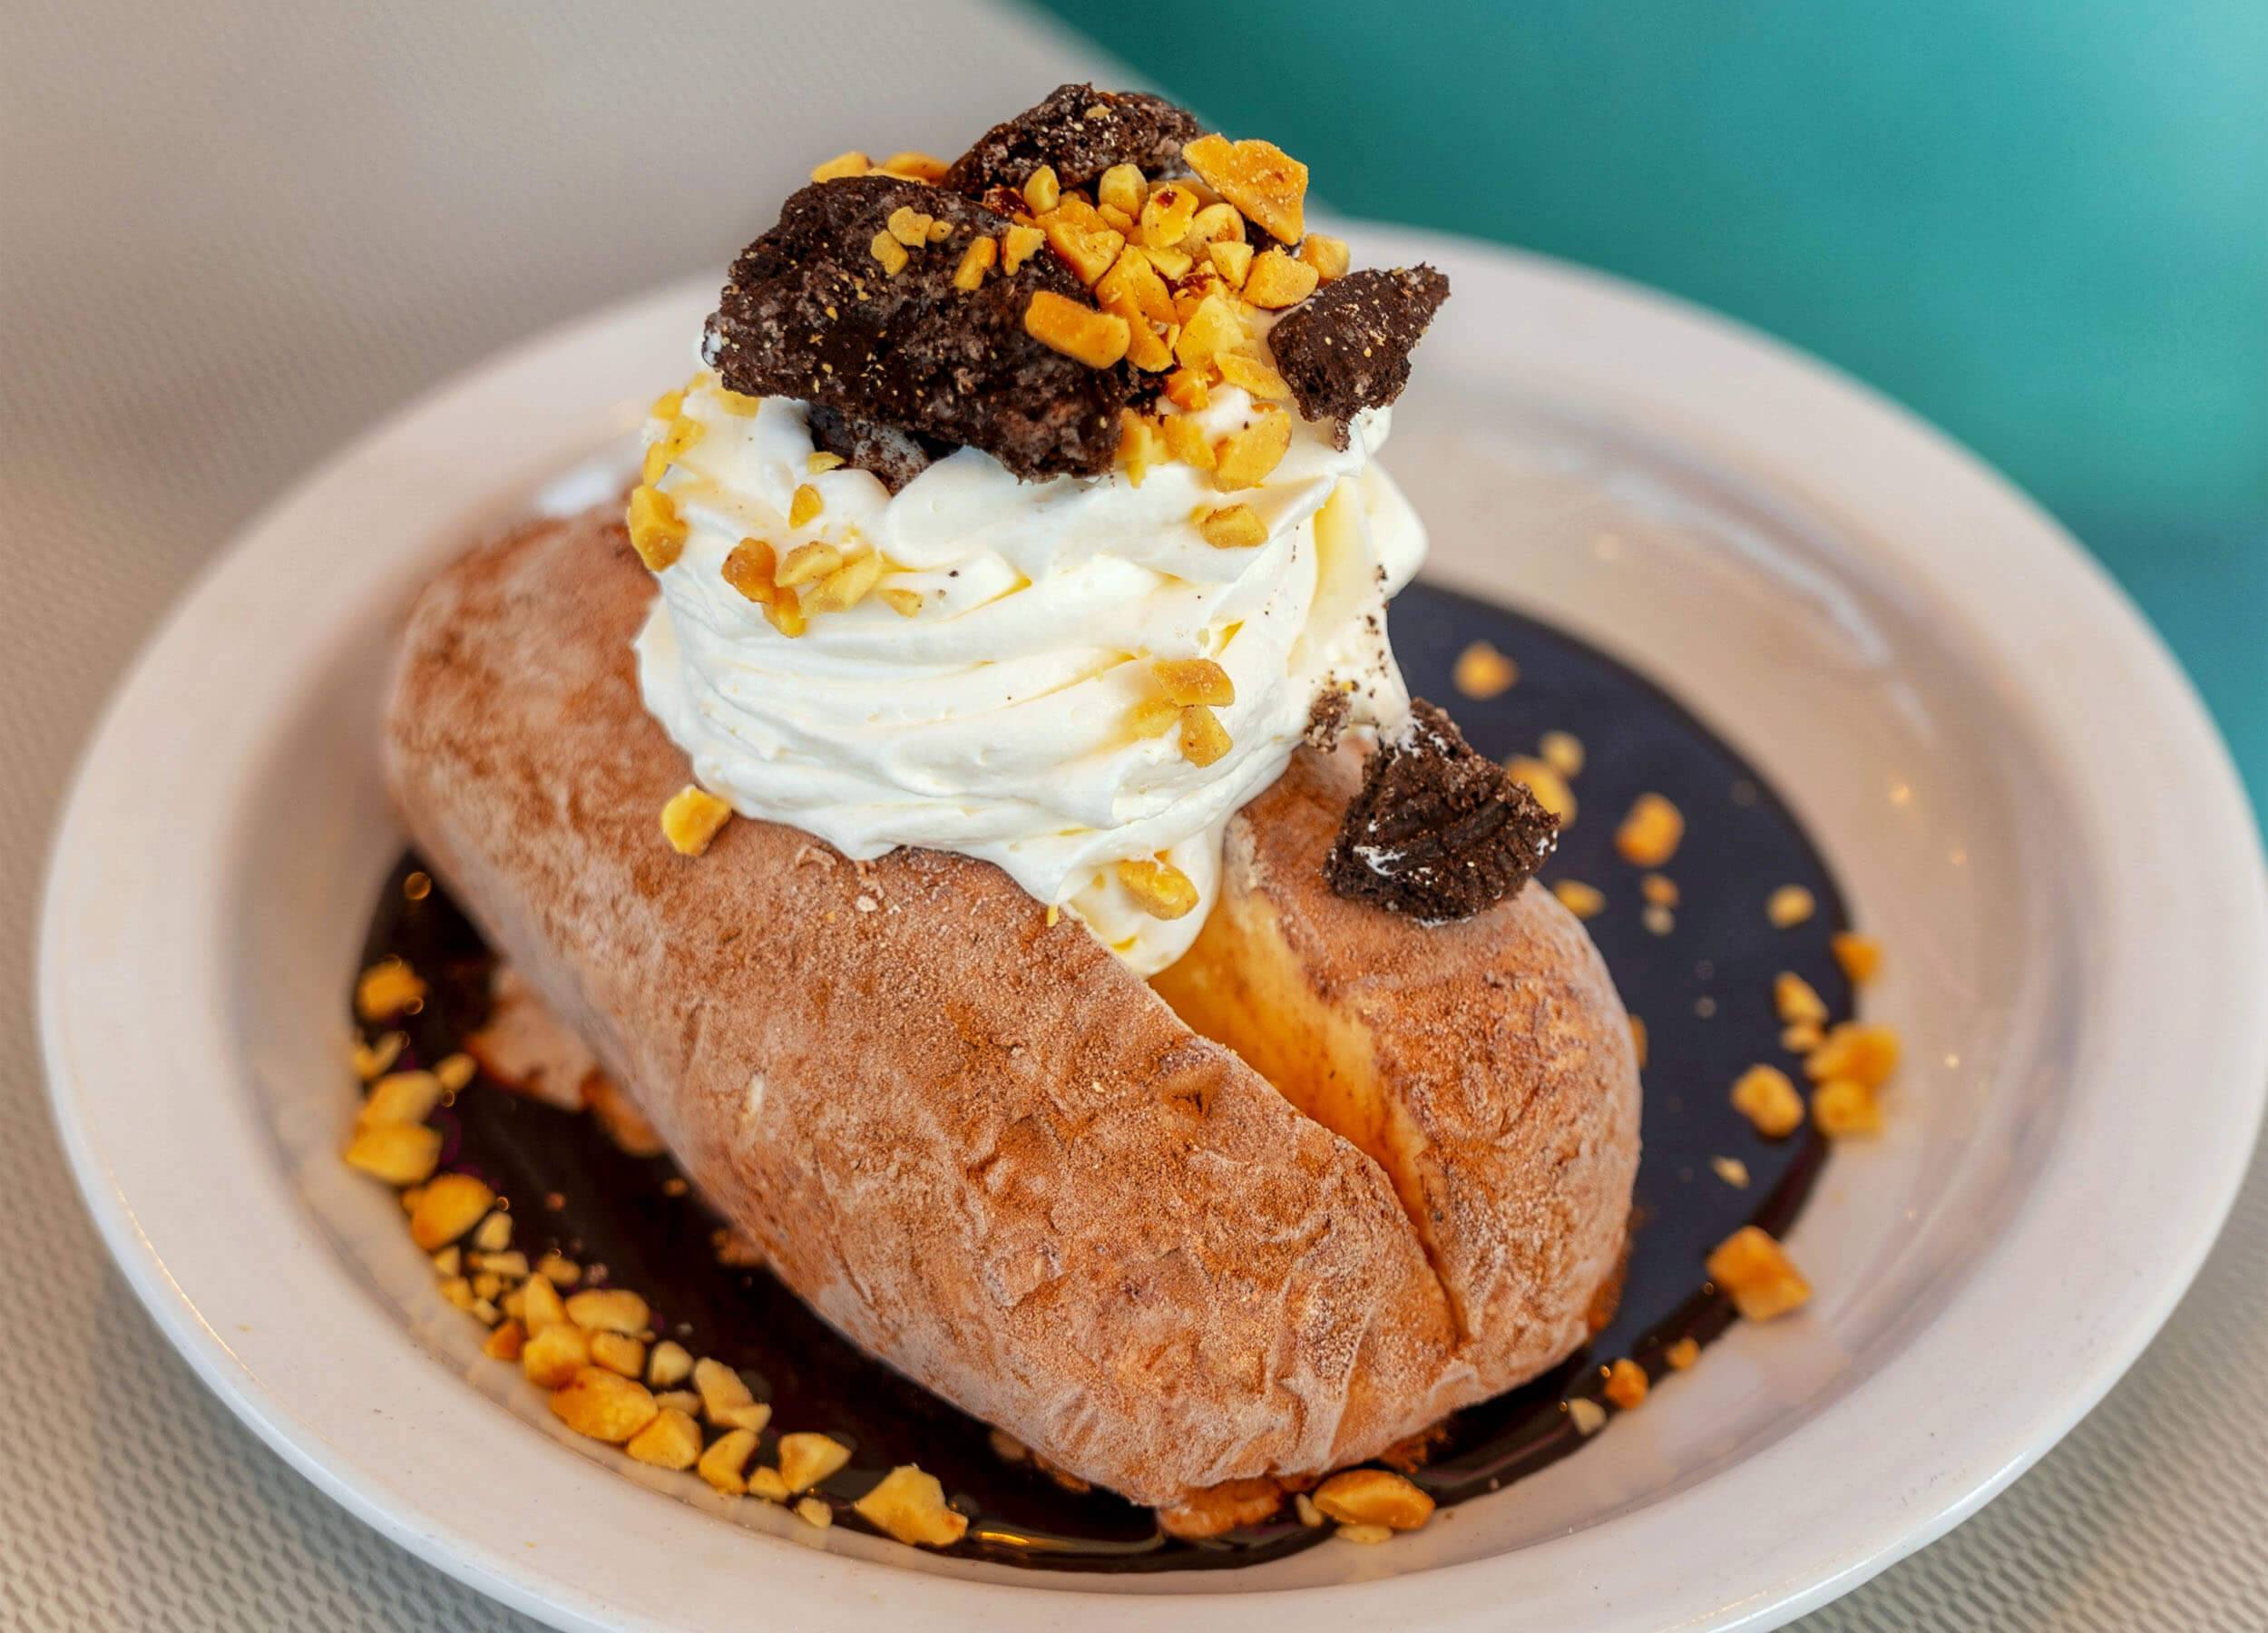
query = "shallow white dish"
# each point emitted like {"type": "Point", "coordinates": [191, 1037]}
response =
{"type": "Point", "coordinates": [2017, 788]}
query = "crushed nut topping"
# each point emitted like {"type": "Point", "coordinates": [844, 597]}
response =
{"type": "Point", "coordinates": [1757, 1273]}
{"type": "Point", "coordinates": [1481, 672]}
{"type": "Point", "coordinates": [1233, 527]}
{"type": "Point", "coordinates": [1544, 781]}
{"type": "Point", "coordinates": [1373, 1497]}
{"type": "Point", "coordinates": [603, 1405]}
{"type": "Point", "coordinates": [1861, 956]}
{"type": "Point", "coordinates": [1195, 681]}
{"type": "Point", "coordinates": [1844, 1109]}
{"type": "Point", "coordinates": [1261, 180]}
{"type": "Point", "coordinates": [911, 1506]}
{"type": "Point", "coordinates": [386, 989]}
{"type": "Point", "coordinates": [1650, 833]}
{"type": "Point", "coordinates": [1098, 339]}
{"type": "Point", "coordinates": [692, 819]}
{"type": "Point", "coordinates": [1788, 907]}
{"type": "Point", "coordinates": [1625, 1383]}
{"type": "Point", "coordinates": [1158, 887]}
{"type": "Point", "coordinates": [1766, 1096]}
{"type": "Point", "coordinates": [1584, 901]}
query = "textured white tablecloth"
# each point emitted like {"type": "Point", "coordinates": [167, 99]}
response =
{"type": "Point", "coordinates": [231, 234]}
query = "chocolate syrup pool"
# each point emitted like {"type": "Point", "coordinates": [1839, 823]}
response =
{"type": "Point", "coordinates": [1700, 978]}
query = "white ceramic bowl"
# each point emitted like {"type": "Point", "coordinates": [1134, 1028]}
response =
{"type": "Point", "coordinates": [2015, 786]}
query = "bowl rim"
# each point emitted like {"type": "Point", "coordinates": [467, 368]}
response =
{"type": "Point", "coordinates": [2186, 935]}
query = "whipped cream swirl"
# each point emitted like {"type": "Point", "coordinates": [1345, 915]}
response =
{"type": "Point", "coordinates": [995, 721]}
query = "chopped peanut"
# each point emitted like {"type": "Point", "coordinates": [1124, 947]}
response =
{"type": "Point", "coordinates": [1098, 339]}
{"type": "Point", "coordinates": [1482, 672]}
{"type": "Point", "coordinates": [1327, 254]}
{"type": "Point", "coordinates": [910, 226]}
{"type": "Point", "coordinates": [805, 1460]}
{"type": "Point", "coordinates": [1795, 1000]}
{"type": "Point", "coordinates": [1766, 1098]}
{"type": "Point", "coordinates": [397, 1153]}
{"type": "Point", "coordinates": [1370, 1536]}
{"type": "Point", "coordinates": [672, 1440]}
{"type": "Point", "coordinates": [455, 1071]}
{"type": "Point", "coordinates": [725, 1398]}
{"type": "Point", "coordinates": [1625, 1383]}
{"type": "Point", "coordinates": [541, 1306]}
{"type": "Point", "coordinates": [1166, 215]}
{"type": "Point", "coordinates": [1185, 441]}
{"type": "Point", "coordinates": [1373, 1497]}
{"type": "Point", "coordinates": [814, 1511]}
{"type": "Point", "coordinates": [1140, 443]}
{"type": "Point", "coordinates": [916, 167]}
{"type": "Point", "coordinates": [1233, 527]}
{"type": "Point", "coordinates": [1276, 280]}
{"type": "Point", "coordinates": [1650, 833]}
{"type": "Point", "coordinates": [1638, 1040]}
{"type": "Point", "coordinates": [1584, 901]}
{"type": "Point", "coordinates": [1207, 330]}
{"type": "Point", "coordinates": [889, 252]}
{"type": "Point", "coordinates": [1185, 389]}
{"type": "Point", "coordinates": [1085, 242]}
{"type": "Point", "coordinates": [1160, 888]}
{"type": "Point", "coordinates": [1018, 245]}
{"type": "Point", "coordinates": [1153, 717]}
{"type": "Point", "coordinates": [1204, 739]}
{"type": "Point", "coordinates": [1195, 681]}
{"type": "Point", "coordinates": [1133, 279]}
{"type": "Point", "coordinates": [720, 1465]}
{"type": "Point", "coordinates": [505, 1343]}
{"type": "Point", "coordinates": [911, 1506]}
{"type": "Point", "coordinates": [1732, 1170]}
{"type": "Point", "coordinates": [784, 614]}
{"type": "Point", "coordinates": [1562, 751]}
{"type": "Point", "coordinates": [749, 567]}
{"type": "Point", "coordinates": [1683, 1353]}
{"type": "Point", "coordinates": [1864, 1052]}
{"type": "Point", "coordinates": [768, 1484]}
{"type": "Point", "coordinates": [853, 163]}
{"type": "Point", "coordinates": [906, 603]}
{"type": "Point", "coordinates": [1170, 263]}
{"type": "Point", "coordinates": [1258, 178]}
{"type": "Point", "coordinates": [1232, 259]}
{"type": "Point", "coordinates": [619, 1353]}
{"type": "Point", "coordinates": [608, 1310]}
{"type": "Point", "coordinates": [1123, 187]}
{"type": "Point", "coordinates": [1588, 1416]}
{"type": "Point", "coordinates": [1843, 1108]}
{"type": "Point", "coordinates": [976, 260]}
{"type": "Point", "coordinates": [807, 564]}
{"type": "Point", "coordinates": [1257, 378]}
{"type": "Point", "coordinates": [804, 505]}
{"type": "Point", "coordinates": [598, 1403]}
{"type": "Point", "coordinates": [1243, 458]}
{"type": "Point", "coordinates": [668, 1365]}
{"type": "Point", "coordinates": [386, 989]}
{"type": "Point", "coordinates": [692, 818]}
{"type": "Point", "coordinates": [1042, 191]}
{"type": "Point", "coordinates": [1789, 906]}
{"type": "Point", "coordinates": [1861, 956]}
{"type": "Point", "coordinates": [453, 1203]}
{"type": "Point", "coordinates": [371, 1060]}
{"type": "Point", "coordinates": [400, 1097]}
{"type": "Point", "coordinates": [821, 461]}
{"type": "Point", "coordinates": [847, 585]}
{"type": "Point", "coordinates": [1756, 1272]}
{"type": "Point", "coordinates": [1550, 789]}
{"type": "Point", "coordinates": [1212, 224]}
{"type": "Point", "coordinates": [554, 1354]}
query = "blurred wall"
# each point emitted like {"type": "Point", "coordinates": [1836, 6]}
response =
{"type": "Point", "coordinates": [2041, 223]}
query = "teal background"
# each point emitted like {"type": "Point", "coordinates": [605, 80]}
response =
{"type": "Point", "coordinates": [2042, 224]}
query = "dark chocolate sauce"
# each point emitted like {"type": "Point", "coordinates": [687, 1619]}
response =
{"type": "Point", "coordinates": [1703, 991]}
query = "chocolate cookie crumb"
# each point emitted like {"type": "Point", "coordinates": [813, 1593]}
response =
{"type": "Point", "coordinates": [1437, 831]}
{"type": "Point", "coordinates": [1348, 347]}
{"type": "Point", "coordinates": [895, 456]}
{"type": "Point", "coordinates": [810, 312]}
{"type": "Point", "coordinates": [1081, 132]}
{"type": "Point", "coordinates": [1327, 719]}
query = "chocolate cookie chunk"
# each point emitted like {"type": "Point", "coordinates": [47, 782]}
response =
{"type": "Point", "coordinates": [896, 456]}
{"type": "Point", "coordinates": [1081, 132]}
{"type": "Point", "coordinates": [810, 312]}
{"type": "Point", "coordinates": [1348, 346]}
{"type": "Point", "coordinates": [1437, 831]}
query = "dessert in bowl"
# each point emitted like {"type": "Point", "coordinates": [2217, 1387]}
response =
{"type": "Point", "coordinates": [964, 807]}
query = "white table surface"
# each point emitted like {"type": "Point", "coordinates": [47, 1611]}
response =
{"type": "Point", "coordinates": [233, 234]}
